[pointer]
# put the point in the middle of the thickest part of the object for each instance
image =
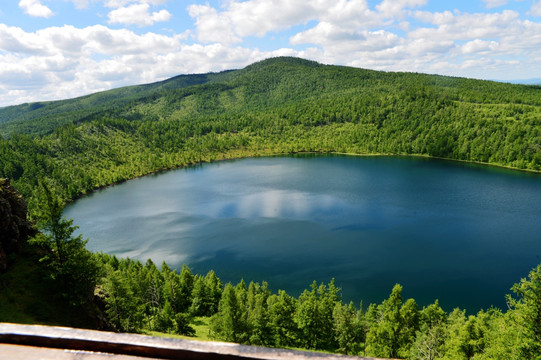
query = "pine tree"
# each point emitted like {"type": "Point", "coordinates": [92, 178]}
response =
{"type": "Point", "coordinates": [200, 298]}
{"type": "Point", "coordinates": [527, 314]}
{"type": "Point", "coordinates": [307, 318]}
{"type": "Point", "coordinates": [185, 296]}
{"type": "Point", "coordinates": [347, 329]}
{"type": "Point", "coordinates": [121, 308]}
{"type": "Point", "coordinates": [383, 338]}
{"type": "Point", "coordinates": [281, 314]}
{"type": "Point", "coordinates": [73, 268]}
{"type": "Point", "coordinates": [229, 323]}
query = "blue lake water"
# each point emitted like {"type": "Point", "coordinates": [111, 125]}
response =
{"type": "Point", "coordinates": [460, 233]}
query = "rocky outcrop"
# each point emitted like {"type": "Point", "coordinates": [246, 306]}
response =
{"type": "Point", "coordinates": [14, 227]}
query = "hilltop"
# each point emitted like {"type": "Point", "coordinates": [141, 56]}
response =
{"type": "Point", "coordinates": [263, 85]}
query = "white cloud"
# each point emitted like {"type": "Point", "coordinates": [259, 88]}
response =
{"type": "Point", "coordinates": [35, 8]}
{"type": "Point", "coordinates": [467, 26]}
{"type": "Point", "coordinates": [81, 4]}
{"type": "Point", "coordinates": [161, 16]}
{"type": "Point", "coordinates": [122, 3]}
{"type": "Point", "coordinates": [438, 18]}
{"type": "Point", "coordinates": [495, 3]}
{"type": "Point", "coordinates": [479, 46]}
{"type": "Point", "coordinates": [213, 26]}
{"type": "Point", "coordinates": [423, 48]}
{"type": "Point", "coordinates": [15, 40]}
{"type": "Point", "coordinates": [536, 8]}
{"type": "Point", "coordinates": [394, 8]}
{"type": "Point", "coordinates": [137, 14]}
{"type": "Point", "coordinates": [476, 45]}
{"type": "Point", "coordinates": [260, 17]}
{"type": "Point", "coordinates": [326, 33]}
{"type": "Point", "coordinates": [342, 41]}
{"type": "Point", "coordinates": [354, 13]}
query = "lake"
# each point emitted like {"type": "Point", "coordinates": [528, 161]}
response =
{"type": "Point", "coordinates": [460, 233]}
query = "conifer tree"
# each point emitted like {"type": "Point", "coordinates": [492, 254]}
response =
{"type": "Point", "coordinates": [527, 314]}
{"type": "Point", "coordinates": [73, 268]}
{"type": "Point", "coordinates": [229, 323]}
{"type": "Point", "coordinates": [346, 328]}
{"type": "Point", "coordinates": [281, 317]}
{"type": "Point", "coordinates": [120, 305]}
{"type": "Point", "coordinates": [384, 335]}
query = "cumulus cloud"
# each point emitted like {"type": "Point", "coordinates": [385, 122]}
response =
{"type": "Point", "coordinates": [258, 17]}
{"type": "Point", "coordinates": [456, 26]}
{"type": "Point", "coordinates": [15, 40]}
{"type": "Point", "coordinates": [72, 41]}
{"type": "Point", "coordinates": [35, 8]}
{"type": "Point", "coordinates": [213, 26]}
{"type": "Point", "coordinates": [340, 41]}
{"type": "Point", "coordinates": [239, 19]}
{"type": "Point", "coordinates": [63, 60]}
{"type": "Point", "coordinates": [479, 46]}
{"type": "Point", "coordinates": [137, 14]}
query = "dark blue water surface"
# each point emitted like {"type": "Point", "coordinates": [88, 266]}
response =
{"type": "Point", "coordinates": [460, 233]}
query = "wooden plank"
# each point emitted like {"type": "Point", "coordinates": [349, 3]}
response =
{"type": "Point", "coordinates": [146, 346]}
{"type": "Point", "coordinates": [22, 352]}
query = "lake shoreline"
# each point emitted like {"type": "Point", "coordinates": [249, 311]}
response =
{"type": "Point", "coordinates": [273, 154]}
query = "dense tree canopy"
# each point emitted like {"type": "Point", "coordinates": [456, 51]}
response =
{"type": "Point", "coordinates": [142, 298]}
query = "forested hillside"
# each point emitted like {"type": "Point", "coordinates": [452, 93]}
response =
{"type": "Point", "coordinates": [42, 117]}
{"type": "Point", "coordinates": [54, 152]}
{"type": "Point", "coordinates": [281, 105]}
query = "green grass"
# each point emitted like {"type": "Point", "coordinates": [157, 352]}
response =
{"type": "Point", "coordinates": [201, 326]}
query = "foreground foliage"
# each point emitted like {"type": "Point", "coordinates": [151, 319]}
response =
{"type": "Point", "coordinates": [142, 298]}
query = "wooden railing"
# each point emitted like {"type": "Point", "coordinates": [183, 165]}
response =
{"type": "Point", "coordinates": [46, 342]}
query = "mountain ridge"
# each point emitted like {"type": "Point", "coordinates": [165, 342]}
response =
{"type": "Point", "coordinates": [40, 109]}
{"type": "Point", "coordinates": [267, 83]}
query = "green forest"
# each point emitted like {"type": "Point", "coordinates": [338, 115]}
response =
{"type": "Point", "coordinates": [54, 152]}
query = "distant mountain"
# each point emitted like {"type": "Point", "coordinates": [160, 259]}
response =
{"type": "Point", "coordinates": [42, 117]}
{"type": "Point", "coordinates": [267, 84]}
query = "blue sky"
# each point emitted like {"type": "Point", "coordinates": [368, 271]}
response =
{"type": "Point", "coordinates": [55, 49]}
